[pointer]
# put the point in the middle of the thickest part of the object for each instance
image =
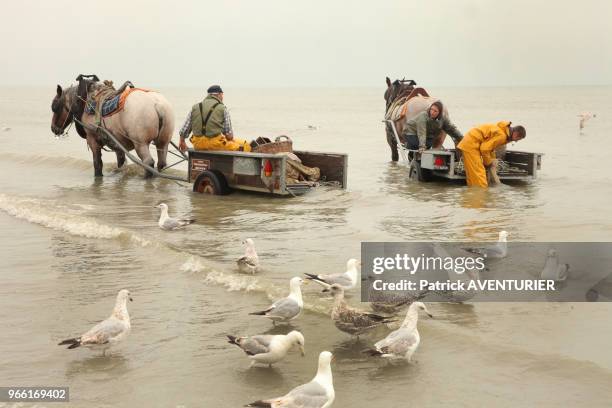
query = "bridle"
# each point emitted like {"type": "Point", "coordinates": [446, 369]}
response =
{"type": "Point", "coordinates": [69, 117]}
{"type": "Point", "coordinates": [76, 112]}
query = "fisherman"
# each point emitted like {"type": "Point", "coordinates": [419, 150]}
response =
{"type": "Point", "coordinates": [478, 148]}
{"type": "Point", "coordinates": [210, 123]}
{"type": "Point", "coordinates": [421, 131]}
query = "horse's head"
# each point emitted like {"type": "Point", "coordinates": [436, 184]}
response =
{"type": "Point", "coordinates": [397, 89]}
{"type": "Point", "coordinates": [61, 106]}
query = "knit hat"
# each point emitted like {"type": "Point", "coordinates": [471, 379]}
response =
{"type": "Point", "coordinates": [214, 89]}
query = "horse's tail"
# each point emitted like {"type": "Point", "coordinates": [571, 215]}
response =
{"type": "Point", "coordinates": [160, 120]}
{"type": "Point", "coordinates": [165, 121]}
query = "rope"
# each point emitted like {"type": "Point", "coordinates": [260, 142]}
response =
{"type": "Point", "coordinates": [132, 157]}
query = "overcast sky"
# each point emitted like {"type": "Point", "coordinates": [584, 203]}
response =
{"type": "Point", "coordinates": [263, 43]}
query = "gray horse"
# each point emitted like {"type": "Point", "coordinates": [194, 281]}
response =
{"type": "Point", "coordinates": [146, 118]}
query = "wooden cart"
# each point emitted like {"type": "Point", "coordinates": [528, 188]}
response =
{"type": "Point", "coordinates": [220, 172]}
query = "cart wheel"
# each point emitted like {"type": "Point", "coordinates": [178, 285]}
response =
{"type": "Point", "coordinates": [419, 174]}
{"type": "Point", "coordinates": [211, 182]}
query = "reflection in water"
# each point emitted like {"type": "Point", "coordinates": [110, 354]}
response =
{"type": "Point", "coordinates": [282, 329]}
{"type": "Point", "coordinates": [110, 366]}
{"type": "Point", "coordinates": [390, 371]}
{"type": "Point", "coordinates": [447, 211]}
{"type": "Point", "coordinates": [462, 314]}
{"type": "Point", "coordinates": [351, 349]}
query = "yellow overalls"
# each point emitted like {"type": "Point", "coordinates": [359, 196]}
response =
{"type": "Point", "coordinates": [478, 147]}
{"type": "Point", "coordinates": [219, 142]}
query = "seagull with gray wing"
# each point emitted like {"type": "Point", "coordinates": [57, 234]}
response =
{"type": "Point", "coordinates": [553, 270]}
{"type": "Point", "coordinates": [403, 342]}
{"type": "Point", "coordinates": [348, 279]}
{"type": "Point", "coordinates": [167, 223]}
{"type": "Point", "coordinates": [318, 393]}
{"type": "Point", "coordinates": [287, 308]}
{"type": "Point", "coordinates": [268, 349]}
{"type": "Point", "coordinates": [109, 332]}
{"type": "Point", "coordinates": [495, 251]}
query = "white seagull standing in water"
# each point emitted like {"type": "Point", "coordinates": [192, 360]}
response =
{"type": "Point", "coordinates": [287, 308]}
{"type": "Point", "coordinates": [552, 269]}
{"type": "Point", "coordinates": [167, 223]}
{"type": "Point", "coordinates": [347, 280]}
{"type": "Point", "coordinates": [267, 348]}
{"type": "Point", "coordinates": [249, 263]}
{"type": "Point", "coordinates": [403, 342]}
{"type": "Point", "coordinates": [108, 332]}
{"type": "Point", "coordinates": [318, 393]}
{"type": "Point", "coordinates": [498, 250]}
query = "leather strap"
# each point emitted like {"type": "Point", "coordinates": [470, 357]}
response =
{"type": "Point", "coordinates": [207, 116]}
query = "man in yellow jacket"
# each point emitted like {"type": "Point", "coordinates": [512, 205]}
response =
{"type": "Point", "coordinates": [478, 148]}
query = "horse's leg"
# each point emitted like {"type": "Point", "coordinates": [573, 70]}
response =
{"type": "Point", "coordinates": [392, 143]}
{"type": "Point", "coordinates": [96, 151]}
{"type": "Point", "coordinates": [162, 152]}
{"type": "Point", "coordinates": [120, 158]}
{"type": "Point", "coordinates": [145, 155]}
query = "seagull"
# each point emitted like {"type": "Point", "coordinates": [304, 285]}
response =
{"type": "Point", "coordinates": [469, 275]}
{"type": "Point", "coordinates": [393, 303]}
{"type": "Point", "coordinates": [318, 393]}
{"type": "Point", "coordinates": [552, 269]}
{"type": "Point", "coordinates": [249, 263]}
{"type": "Point", "coordinates": [584, 117]}
{"type": "Point", "coordinates": [347, 280]}
{"type": "Point", "coordinates": [287, 308]}
{"type": "Point", "coordinates": [108, 332]}
{"type": "Point", "coordinates": [498, 250]}
{"type": "Point", "coordinates": [167, 223]}
{"type": "Point", "coordinates": [351, 320]}
{"type": "Point", "coordinates": [403, 342]}
{"type": "Point", "coordinates": [268, 349]}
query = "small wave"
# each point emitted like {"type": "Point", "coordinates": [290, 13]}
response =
{"type": "Point", "coordinates": [235, 282]}
{"type": "Point", "coordinates": [42, 160]}
{"type": "Point", "coordinates": [110, 166]}
{"type": "Point", "coordinates": [55, 216]}
{"type": "Point", "coordinates": [231, 282]}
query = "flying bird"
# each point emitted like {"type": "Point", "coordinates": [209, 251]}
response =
{"type": "Point", "coordinates": [268, 349]}
{"type": "Point", "coordinates": [318, 393]}
{"type": "Point", "coordinates": [109, 332]}
{"type": "Point", "coordinates": [167, 223]}
{"type": "Point", "coordinates": [584, 117]}
{"type": "Point", "coordinates": [249, 263]}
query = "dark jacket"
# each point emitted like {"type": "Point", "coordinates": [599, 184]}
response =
{"type": "Point", "coordinates": [425, 127]}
